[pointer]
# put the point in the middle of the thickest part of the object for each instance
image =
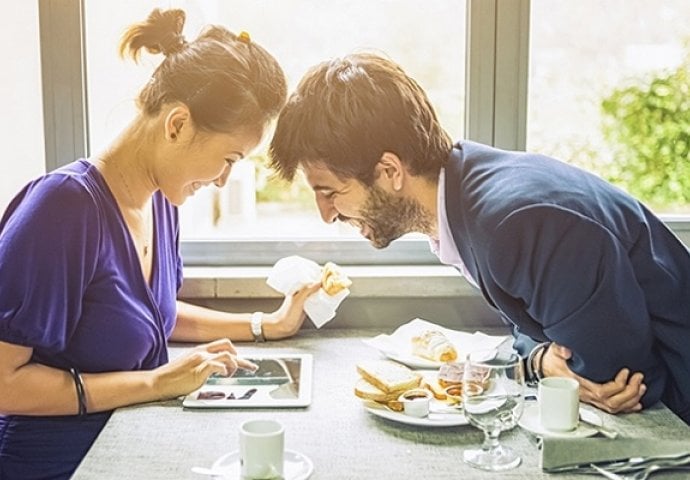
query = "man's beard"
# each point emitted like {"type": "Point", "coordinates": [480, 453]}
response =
{"type": "Point", "coordinates": [389, 217]}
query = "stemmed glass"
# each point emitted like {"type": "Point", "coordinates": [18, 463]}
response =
{"type": "Point", "coordinates": [493, 400]}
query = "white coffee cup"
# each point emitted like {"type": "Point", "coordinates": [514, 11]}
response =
{"type": "Point", "coordinates": [559, 403]}
{"type": "Point", "coordinates": [262, 447]}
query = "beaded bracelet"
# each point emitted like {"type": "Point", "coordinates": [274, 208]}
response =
{"type": "Point", "coordinates": [81, 393]}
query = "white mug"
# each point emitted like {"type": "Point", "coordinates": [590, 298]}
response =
{"type": "Point", "coordinates": [559, 403]}
{"type": "Point", "coordinates": [262, 447]}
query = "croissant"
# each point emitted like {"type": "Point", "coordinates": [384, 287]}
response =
{"type": "Point", "coordinates": [333, 279]}
{"type": "Point", "coordinates": [433, 345]}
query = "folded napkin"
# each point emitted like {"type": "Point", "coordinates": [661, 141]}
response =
{"type": "Point", "coordinates": [565, 452]}
{"type": "Point", "coordinates": [289, 274]}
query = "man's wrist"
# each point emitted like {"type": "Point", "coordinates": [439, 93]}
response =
{"type": "Point", "coordinates": [534, 363]}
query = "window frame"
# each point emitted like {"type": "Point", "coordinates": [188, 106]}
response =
{"type": "Point", "coordinates": [497, 63]}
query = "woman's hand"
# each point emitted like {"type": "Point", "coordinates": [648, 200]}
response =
{"type": "Point", "coordinates": [189, 372]}
{"type": "Point", "coordinates": [287, 320]}
{"type": "Point", "coordinates": [620, 395]}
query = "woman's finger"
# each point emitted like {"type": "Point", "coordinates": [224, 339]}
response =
{"type": "Point", "coordinates": [307, 290]}
{"type": "Point", "coordinates": [246, 364]}
{"type": "Point", "coordinates": [220, 345]}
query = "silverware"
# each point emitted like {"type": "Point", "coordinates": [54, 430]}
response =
{"type": "Point", "coordinates": [607, 432]}
{"type": "Point", "coordinates": [209, 471]}
{"type": "Point", "coordinates": [645, 472]}
{"type": "Point", "coordinates": [606, 473]}
{"type": "Point", "coordinates": [626, 465]}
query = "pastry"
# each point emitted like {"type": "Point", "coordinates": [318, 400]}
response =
{"type": "Point", "coordinates": [433, 345]}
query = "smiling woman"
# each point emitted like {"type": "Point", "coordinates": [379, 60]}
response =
{"type": "Point", "coordinates": [90, 253]}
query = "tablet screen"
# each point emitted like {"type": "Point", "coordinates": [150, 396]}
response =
{"type": "Point", "coordinates": [282, 380]}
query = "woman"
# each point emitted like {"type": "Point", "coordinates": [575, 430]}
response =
{"type": "Point", "coordinates": [89, 254]}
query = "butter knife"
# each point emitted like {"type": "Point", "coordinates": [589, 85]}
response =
{"type": "Point", "coordinates": [607, 432]}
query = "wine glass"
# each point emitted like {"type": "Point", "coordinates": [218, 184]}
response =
{"type": "Point", "coordinates": [493, 400]}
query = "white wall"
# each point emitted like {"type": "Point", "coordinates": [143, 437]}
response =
{"type": "Point", "coordinates": [21, 121]}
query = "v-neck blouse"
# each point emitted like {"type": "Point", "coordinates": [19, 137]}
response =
{"type": "Point", "coordinates": [71, 284]}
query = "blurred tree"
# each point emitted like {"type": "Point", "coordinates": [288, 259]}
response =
{"type": "Point", "coordinates": [648, 126]}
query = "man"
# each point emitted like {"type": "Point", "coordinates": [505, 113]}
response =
{"type": "Point", "coordinates": [599, 284]}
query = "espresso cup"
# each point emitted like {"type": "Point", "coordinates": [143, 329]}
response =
{"type": "Point", "coordinates": [262, 447]}
{"type": "Point", "coordinates": [416, 402]}
{"type": "Point", "coordinates": [559, 403]}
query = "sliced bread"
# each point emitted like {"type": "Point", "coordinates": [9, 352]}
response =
{"type": "Point", "coordinates": [389, 376]}
{"type": "Point", "coordinates": [367, 391]}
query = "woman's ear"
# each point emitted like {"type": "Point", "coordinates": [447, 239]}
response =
{"type": "Point", "coordinates": [390, 172]}
{"type": "Point", "coordinates": [177, 120]}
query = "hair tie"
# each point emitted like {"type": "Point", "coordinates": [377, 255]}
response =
{"type": "Point", "coordinates": [244, 37]}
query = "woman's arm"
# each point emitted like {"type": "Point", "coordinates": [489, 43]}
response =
{"type": "Point", "coordinates": [200, 324]}
{"type": "Point", "coordinates": [34, 389]}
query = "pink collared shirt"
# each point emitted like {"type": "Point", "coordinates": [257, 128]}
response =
{"type": "Point", "coordinates": [444, 247]}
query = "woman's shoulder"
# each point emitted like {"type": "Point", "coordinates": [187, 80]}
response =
{"type": "Point", "coordinates": [70, 185]}
{"type": "Point", "coordinates": [57, 195]}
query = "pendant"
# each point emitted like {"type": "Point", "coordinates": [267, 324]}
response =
{"type": "Point", "coordinates": [146, 250]}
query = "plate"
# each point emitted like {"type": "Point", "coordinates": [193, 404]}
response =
{"type": "Point", "coordinates": [297, 466]}
{"type": "Point", "coordinates": [398, 345]}
{"type": "Point", "coordinates": [433, 420]}
{"type": "Point", "coordinates": [530, 421]}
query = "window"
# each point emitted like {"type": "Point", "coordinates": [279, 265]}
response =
{"type": "Point", "coordinates": [516, 74]}
{"type": "Point", "coordinates": [608, 90]}
{"type": "Point", "coordinates": [427, 39]}
{"type": "Point", "coordinates": [21, 126]}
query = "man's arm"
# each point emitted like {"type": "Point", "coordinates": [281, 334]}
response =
{"type": "Point", "coordinates": [575, 278]}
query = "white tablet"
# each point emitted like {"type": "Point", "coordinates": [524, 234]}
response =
{"type": "Point", "coordinates": [282, 380]}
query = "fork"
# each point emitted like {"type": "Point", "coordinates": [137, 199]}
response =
{"type": "Point", "coordinates": [639, 475]}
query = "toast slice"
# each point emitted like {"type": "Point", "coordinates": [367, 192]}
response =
{"type": "Point", "coordinates": [367, 391]}
{"type": "Point", "coordinates": [389, 376]}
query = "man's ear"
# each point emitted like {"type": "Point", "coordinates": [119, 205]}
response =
{"type": "Point", "coordinates": [390, 172]}
{"type": "Point", "coordinates": [177, 120]}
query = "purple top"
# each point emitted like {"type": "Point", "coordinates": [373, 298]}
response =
{"type": "Point", "coordinates": [71, 285]}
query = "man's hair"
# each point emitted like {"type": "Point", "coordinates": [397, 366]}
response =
{"type": "Point", "coordinates": [347, 112]}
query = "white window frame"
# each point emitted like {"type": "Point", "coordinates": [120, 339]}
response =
{"type": "Point", "coordinates": [495, 114]}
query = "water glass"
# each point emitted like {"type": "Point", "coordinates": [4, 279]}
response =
{"type": "Point", "coordinates": [493, 399]}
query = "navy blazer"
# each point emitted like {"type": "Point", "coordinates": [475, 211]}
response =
{"type": "Point", "coordinates": [567, 257]}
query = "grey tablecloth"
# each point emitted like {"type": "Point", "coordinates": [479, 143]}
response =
{"type": "Point", "coordinates": [163, 440]}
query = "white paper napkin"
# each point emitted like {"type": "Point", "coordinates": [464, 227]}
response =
{"type": "Point", "coordinates": [289, 274]}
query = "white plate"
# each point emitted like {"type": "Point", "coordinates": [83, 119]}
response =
{"type": "Point", "coordinates": [297, 466]}
{"type": "Point", "coordinates": [433, 420]}
{"type": "Point", "coordinates": [530, 421]}
{"type": "Point", "coordinates": [398, 345]}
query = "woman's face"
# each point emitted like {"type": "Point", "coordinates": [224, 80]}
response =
{"type": "Point", "coordinates": [203, 159]}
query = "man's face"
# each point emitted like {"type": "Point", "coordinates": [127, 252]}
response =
{"type": "Point", "coordinates": [380, 216]}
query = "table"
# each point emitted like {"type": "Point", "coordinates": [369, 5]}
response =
{"type": "Point", "coordinates": [163, 440]}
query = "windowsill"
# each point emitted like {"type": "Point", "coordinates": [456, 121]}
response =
{"type": "Point", "coordinates": [367, 282]}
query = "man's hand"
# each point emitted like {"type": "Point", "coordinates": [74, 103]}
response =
{"type": "Point", "coordinates": [620, 395]}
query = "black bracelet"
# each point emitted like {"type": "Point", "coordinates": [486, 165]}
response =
{"type": "Point", "coordinates": [540, 367]}
{"type": "Point", "coordinates": [81, 393]}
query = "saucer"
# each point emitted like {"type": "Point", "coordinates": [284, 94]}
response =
{"type": "Point", "coordinates": [530, 422]}
{"type": "Point", "coordinates": [297, 466]}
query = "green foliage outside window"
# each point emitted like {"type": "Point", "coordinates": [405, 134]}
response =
{"type": "Point", "coordinates": [272, 189]}
{"type": "Point", "coordinates": [649, 127]}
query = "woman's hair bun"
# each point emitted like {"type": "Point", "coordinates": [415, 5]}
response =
{"type": "Point", "coordinates": [161, 32]}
